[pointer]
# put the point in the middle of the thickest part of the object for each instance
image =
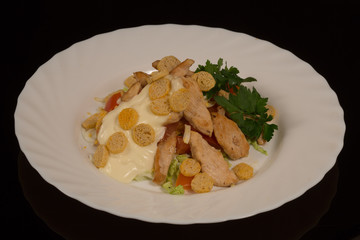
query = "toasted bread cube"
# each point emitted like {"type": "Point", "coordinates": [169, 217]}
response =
{"type": "Point", "coordinates": [159, 88]}
{"type": "Point", "coordinates": [190, 167]}
{"type": "Point", "coordinates": [202, 183]}
{"type": "Point", "coordinates": [101, 156]}
{"type": "Point", "coordinates": [160, 106]}
{"type": "Point", "coordinates": [243, 171]}
{"type": "Point", "coordinates": [205, 80]}
{"type": "Point", "coordinates": [167, 63]}
{"type": "Point", "coordinates": [143, 134]}
{"type": "Point", "coordinates": [179, 100]}
{"type": "Point", "coordinates": [128, 117]}
{"type": "Point", "coordinates": [117, 142]}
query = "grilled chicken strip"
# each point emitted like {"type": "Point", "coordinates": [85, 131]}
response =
{"type": "Point", "coordinates": [164, 154]}
{"type": "Point", "coordinates": [197, 113]}
{"type": "Point", "coordinates": [212, 161]}
{"type": "Point", "coordinates": [132, 92]}
{"type": "Point", "coordinates": [229, 136]}
{"type": "Point", "coordinates": [183, 68]}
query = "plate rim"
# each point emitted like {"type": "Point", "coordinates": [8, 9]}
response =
{"type": "Point", "coordinates": [174, 221]}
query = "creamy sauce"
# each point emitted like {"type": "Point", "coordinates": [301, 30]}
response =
{"type": "Point", "coordinates": [134, 160]}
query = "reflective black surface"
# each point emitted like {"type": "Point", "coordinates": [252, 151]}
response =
{"type": "Point", "coordinates": [325, 37]}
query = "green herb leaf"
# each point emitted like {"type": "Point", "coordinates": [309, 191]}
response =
{"type": "Point", "coordinates": [248, 109]}
{"type": "Point", "coordinates": [245, 106]}
{"type": "Point", "coordinates": [269, 131]}
{"type": "Point", "coordinates": [226, 78]}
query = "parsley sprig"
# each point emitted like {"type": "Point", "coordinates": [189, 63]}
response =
{"type": "Point", "coordinates": [248, 109]}
{"type": "Point", "coordinates": [245, 106]}
{"type": "Point", "coordinates": [226, 78]}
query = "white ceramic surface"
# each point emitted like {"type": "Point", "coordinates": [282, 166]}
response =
{"type": "Point", "coordinates": [57, 97]}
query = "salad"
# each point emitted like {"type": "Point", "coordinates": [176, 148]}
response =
{"type": "Point", "coordinates": [180, 129]}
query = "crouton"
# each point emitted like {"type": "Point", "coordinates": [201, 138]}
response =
{"type": "Point", "coordinates": [117, 142]}
{"type": "Point", "coordinates": [160, 106]}
{"type": "Point", "coordinates": [167, 63]}
{"type": "Point", "coordinates": [143, 134]}
{"type": "Point", "coordinates": [190, 167]}
{"type": "Point", "coordinates": [159, 88]}
{"type": "Point", "coordinates": [128, 117]}
{"type": "Point", "coordinates": [243, 171]}
{"type": "Point", "coordinates": [179, 100]}
{"type": "Point", "coordinates": [205, 80]}
{"type": "Point", "coordinates": [202, 183]}
{"type": "Point", "coordinates": [101, 156]}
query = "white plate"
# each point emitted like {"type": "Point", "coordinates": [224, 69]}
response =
{"type": "Point", "coordinates": [56, 98]}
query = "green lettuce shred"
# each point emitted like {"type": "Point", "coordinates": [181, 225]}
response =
{"type": "Point", "coordinates": [257, 147]}
{"type": "Point", "coordinates": [169, 188]}
{"type": "Point", "coordinates": [173, 172]}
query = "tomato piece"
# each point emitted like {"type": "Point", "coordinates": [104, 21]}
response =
{"type": "Point", "coordinates": [181, 147]}
{"type": "Point", "coordinates": [231, 89]}
{"type": "Point", "coordinates": [112, 102]}
{"type": "Point", "coordinates": [184, 181]}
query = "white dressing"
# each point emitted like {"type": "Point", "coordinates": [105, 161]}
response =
{"type": "Point", "coordinates": [134, 160]}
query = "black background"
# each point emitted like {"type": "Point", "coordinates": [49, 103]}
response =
{"type": "Point", "coordinates": [326, 36]}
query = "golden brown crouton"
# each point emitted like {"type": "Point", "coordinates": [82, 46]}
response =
{"type": "Point", "coordinates": [101, 156]}
{"type": "Point", "coordinates": [205, 80]}
{"type": "Point", "coordinates": [143, 134]}
{"type": "Point", "coordinates": [128, 117]}
{"type": "Point", "coordinates": [160, 106]}
{"type": "Point", "coordinates": [117, 142]}
{"type": "Point", "coordinates": [179, 100]}
{"type": "Point", "coordinates": [159, 88]}
{"type": "Point", "coordinates": [202, 183]}
{"type": "Point", "coordinates": [190, 167]}
{"type": "Point", "coordinates": [167, 63]}
{"type": "Point", "coordinates": [243, 171]}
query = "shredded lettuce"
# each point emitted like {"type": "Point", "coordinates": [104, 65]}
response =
{"type": "Point", "coordinates": [182, 157]}
{"type": "Point", "coordinates": [169, 188]}
{"type": "Point", "coordinates": [173, 172]}
{"type": "Point", "coordinates": [257, 147]}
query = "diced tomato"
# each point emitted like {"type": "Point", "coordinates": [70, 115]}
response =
{"type": "Point", "coordinates": [184, 181]}
{"type": "Point", "coordinates": [181, 147]}
{"type": "Point", "coordinates": [232, 91]}
{"type": "Point", "coordinates": [112, 102]}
